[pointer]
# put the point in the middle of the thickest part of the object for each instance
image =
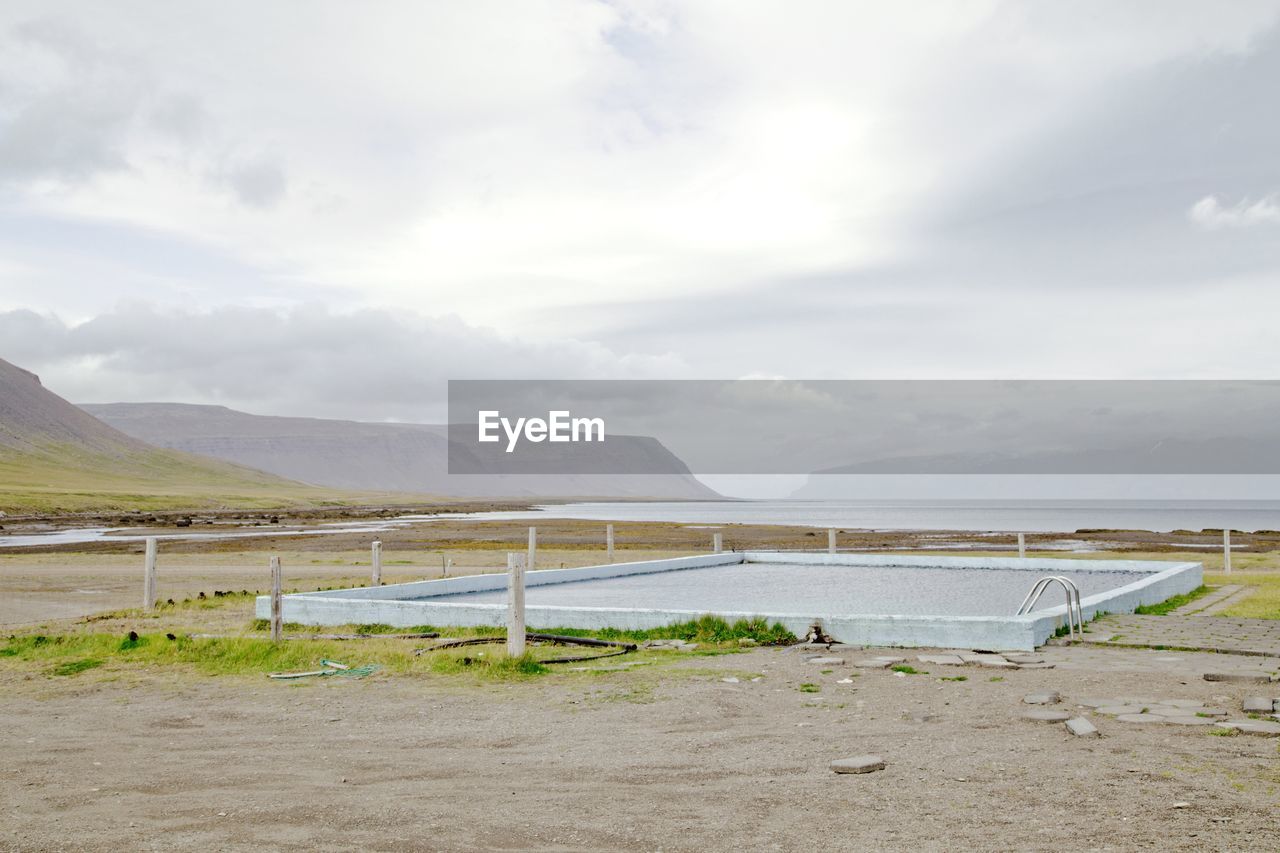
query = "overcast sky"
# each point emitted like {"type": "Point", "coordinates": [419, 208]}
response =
{"type": "Point", "coordinates": [329, 208]}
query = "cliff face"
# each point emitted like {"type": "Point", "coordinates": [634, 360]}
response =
{"type": "Point", "coordinates": [381, 457]}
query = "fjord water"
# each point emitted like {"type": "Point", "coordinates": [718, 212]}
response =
{"type": "Point", "coordinates": [1044, 516]}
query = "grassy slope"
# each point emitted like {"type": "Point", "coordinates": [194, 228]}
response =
{"type": "Point", "coordinates": [70, 479]}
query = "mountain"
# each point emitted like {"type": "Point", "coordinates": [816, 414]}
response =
{"type": "Point", "coordinates": [385, 456]}
{"type": "Point", "coordinates": [57, 457]}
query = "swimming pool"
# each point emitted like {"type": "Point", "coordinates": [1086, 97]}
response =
{"type": "Point", "coordinates": [875, 600]}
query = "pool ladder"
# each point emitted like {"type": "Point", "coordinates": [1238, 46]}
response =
{"type": "Point", "coordinates": [1075, 616]}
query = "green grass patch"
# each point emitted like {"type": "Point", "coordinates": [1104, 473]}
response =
{"type": "Point", "coordinates": [996, 678]}
{"type": "Point", "coordinates": [810, 688]}
{"type": "Point", "coordinates": [954, 678]}
{"type": "Point", "coordinates": [705, 629]}
{"type": "Point", "coordinates": [1263, 603]}
{"type": "Point", "coordinates": [1167, 606]}
{"type": "Point", "coordinates": [75, 667]}
{"type": "Point", "coordinates": [907, 670]}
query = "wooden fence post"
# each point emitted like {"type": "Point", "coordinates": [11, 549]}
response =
{"type": "Point", "coordinates": [515, 604]}
{"type": "Point", "coordinates": [533, 548]}
{"type": "Point", "coordinates": [1022, 544]}
{"type": "Point", "coordinates": [831, 540]}
{"type": "Point", "coordinates": [1226, 550]}
{"type": "Point", "coordinates": [277, 605]}
{"type": "Point", "coordinates": [608, 540]}
{"type": "Point", "coordinates": [377, 562]}
{"type": "Point", "coordinates": [149, 575]}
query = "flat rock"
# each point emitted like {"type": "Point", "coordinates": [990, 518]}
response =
{"type": "Point", "coordinates": [1190, 721]}
{"type": "Point", "coordinates": [1046, 715]}
{"type": "Point", "coordinates": [944, 660]}
{"type": "Point", "coordinates": [1048, 697]}
{"type": "Point", "coordinates": [827, 661]}
{"type": "Point", "coordinates": [858, 764]}
{"type": "Point", "coordinates": [1258, 705]}
{"type": "Point", "coordinates": [1253, 727]}
{"type": "Point", "coordinates": [1237, 677]}
{"type": "Point", "coordinates": [1117, 710]}
{"type": "Point", "coordinates": [1080, 727]}
{"type": "Point", "coordinates": [873, 663]}
{"type": "Point", "coordinates": [1141, 718]}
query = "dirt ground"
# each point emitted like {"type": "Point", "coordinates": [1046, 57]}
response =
{"type": "Point", "coordinates": [666, 757]}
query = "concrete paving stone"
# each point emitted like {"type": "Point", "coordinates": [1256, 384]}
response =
{"type": "Point", "coordinates": [821, 661]}
{"type": "Point", "coordinates": [1035, 665]}
{"type": "Point", "coordinates": [1048, 697]}
{"type": "Point", "coordinates": [1253, 727]}
{"type": "Point", "coordinates": [1190, 721]}
{"type": "Point", "coordinates": [1046, 715]}
{"type": "Point", "coordinates": [858, 764]}
{"type": "Point", "coordinates": [1258, 705]}
{"type": "Point", "coordinates": [873, 663]}
{"type": "Point", "coordinates": [944, 660]}
{"type": "Point", "coordinates": [1183, 703]}
{"type": "Point", "coordinates": [1080, 727]}
{"type": "Point", "coordinates": [1237, 677]}
{"type": "Point", "coordinates": [1097, 703]}
{"type": "Point", "coordinates": [1024, 658]}
{"type": "Point", "coordinates": [982, 658]}
{"type": "Point", "coordinates": [998, 664]}
{"type": "Point", "coordinates": [1141, 718]}
{"type": "Point", "coordinates": [1117, 710]}
{"type": "Point", "coordinates": [890, 659]}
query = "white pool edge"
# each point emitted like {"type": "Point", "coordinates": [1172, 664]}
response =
{"type": "Point", "coordinates": [389, 605]}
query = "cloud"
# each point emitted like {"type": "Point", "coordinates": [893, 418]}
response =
{"type": "Point", "coordinates": [1211, 215]}
{"type": "Point", "coordinates": [370, 364]}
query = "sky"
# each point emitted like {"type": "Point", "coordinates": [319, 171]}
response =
{"type": "Point", "coordinates": [329, 209]}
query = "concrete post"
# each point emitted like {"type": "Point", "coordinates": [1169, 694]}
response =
{"type": "Point", "coordinates": [1226, 550]}
{"type": "Point", "coordinates": [533, 547]}
{"type": "Point", "coordinates": [608, 539]}
{"type": "Point", "coordinates": [1022, 544]}
{"type": "Point", "coordinates": [377, 563]}
{"type": "Point", "coordinates": [149, 576]}
{"type": "Point", "coordinates": [831, 540]}
{"type": "Point", "coordinates": [717, 543]}
{"type": "Point", "coordinates": [515, 604]}
{"type": "Point", "coordinates": [277, 603]}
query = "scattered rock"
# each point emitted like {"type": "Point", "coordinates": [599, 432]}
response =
{"type": "Point", "coordinates": [1049, 697]}
{"type": "Point", "coordinates": [858, 764]}
{"type": "Point", "coordinates": [1080, 727]}
{"type": "Point", "coordinates": [730, 680]}
{"type": "Point", "coordinates": [1182, 805]}
{"type": "Point", "coordinates": [1045, 715]}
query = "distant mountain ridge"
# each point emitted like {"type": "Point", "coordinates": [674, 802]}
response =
{"type": "Point", "coordinates": [55, 457]}
{"type": "Point", "coordinates": [383, 456]}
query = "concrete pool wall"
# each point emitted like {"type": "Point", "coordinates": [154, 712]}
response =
{"type": "Point", "coordinates": [427, 602]}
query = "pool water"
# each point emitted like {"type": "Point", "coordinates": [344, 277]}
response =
{"type": "Point", "coordinates": [811, 589]}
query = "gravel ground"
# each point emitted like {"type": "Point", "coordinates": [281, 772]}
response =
{"type": "Point", "coordinates": [664, 757]}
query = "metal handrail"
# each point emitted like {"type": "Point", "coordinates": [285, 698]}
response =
{"type": "Point", "coordinates": [1075, 614]}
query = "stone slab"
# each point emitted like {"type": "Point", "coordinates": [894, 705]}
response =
{"type": "Point", "coordinates": [1258, 705]}
{"type": "Point", "coordinates": [944, 660]}
{"type": "Point", "coordinates": [1080, 727]}
{"type": "Point", "coordinates": [821, 661]}
{"type": "Point", "coordinates": [1253, 727]}
{"type": "Point", "coordinates": [1237, 677]}
{"type": "Point", "coordinates": [1048, 697]}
